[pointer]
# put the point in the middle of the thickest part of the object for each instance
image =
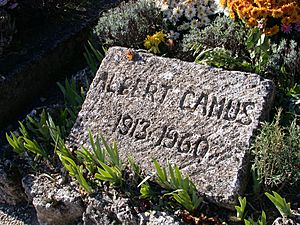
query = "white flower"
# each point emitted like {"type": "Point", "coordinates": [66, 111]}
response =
{"type": "Point", "coordinates": [190, 12]}
{"type": "Point", "coordinates": [164, 7]}
{"type": "Point", "coordinates": [201, 14]}
{"type": "Point", "coordinates": [173, 35]}
{"type": "Point", "coordinates": [205, 2]}
{"type": "Point", "coordinates": [201, 8]}
{"type": "Point", "coordinates": [205, 20]}
{"type": "Point", "coordinates": [177, 12]}
{"type": "Point", "coordinates": [196, 23]}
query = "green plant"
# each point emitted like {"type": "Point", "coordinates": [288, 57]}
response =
{"type": "Point", "coordinates": [276, 154]}
{"type": "Point", "coordinates": [34, 137]}
{"type": "Point", "coordinates": [134, 166]}
{"type": "Point", "coordinates": [261, 221]}
{"type": "Point", "coordinates": [75, 171]}
{"type": "Point", "coordinates": [73, 97]}
{"type": "Point", "coordinates": [34, 147]}
{"type": "Point", "coordinates": [221, 33]}
{"type": "Point", "coordinates": [129, 23]}
{"type": "Point", "coordinates": [258, 45]}
{"type": "Point", "coordinates": [58, 140]}
{"type": "Point", "coordinates": [185, 192]}
{"type": "Point", "coordinates": [93, 56]}
{"type": "Point", "coordinates": [241, 209]}
{"type": "Point", "coordinates": [112, 174]}
{"type": "Point", "coordinates": [220, 57]}
{"type": "Point", "coordinates": [16, 142]}
{"type": "Point", "coordinates": [283, 207]}
{"type": "Point", "coordinates": [174, 180]}
{"type": "Point", "coordinates": [256, 186]}
{"type": "Point", "coordinates": [185, 199]}
{"type": "Point", "coordinates": [91, 159]}
{"type": "Point", "coordinates": [105, 161]}
{"type": "Point", "coordinates": [145, 191]}
{"type": "Point", "coordinates": [38, 128]}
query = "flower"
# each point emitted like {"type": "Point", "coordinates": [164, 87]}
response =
{"type": "Point", "coordinates": [260, 25]}
{"type": "Point", "coordinates": [201, 8]}
{"type": "Point", "coordinates": [275, 12]}
{"type": "Point", "coordinates": [177, 12]}
{"type": "Point", "coordinates": [194, 23]}
{"type": "Point", "coordinates": [286, 28]}
{"type": "Point", "coordinates": [201, 14]}
{"type": "Point", "coordinates": [205, 20]}
{"type": "Point", "coordinates": [173, 35]}
{"type": "Point", "coordinates": [190, 12]}
{"type": "Point", "coordinates": [151, 42]}
{"type": "Point", "coordinates": [297, 26]}
{"type": "Point", "coordinates": [271, 31]}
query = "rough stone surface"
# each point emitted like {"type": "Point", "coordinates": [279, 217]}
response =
{"type": "Point", "coordinates": [54, 203]}
{"type": "Point", "coordinates": [158, 218]}
{"type": "Point", "coordinates": [198, 117]}
{"type": "Point", "coordinates": [20, 214]}
{"type": "Point", "coordinates": [293, 220]}
{"type": "Point", "coordinates": [11, 191]}
{"type": "Point", "coordinates": [105, 209]}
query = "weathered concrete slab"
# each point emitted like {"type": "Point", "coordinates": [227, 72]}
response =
{"type": "Point", "coordinates": [198, 117]}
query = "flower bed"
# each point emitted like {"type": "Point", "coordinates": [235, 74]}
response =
{"type": "Point", "coordinates": [256, 36]}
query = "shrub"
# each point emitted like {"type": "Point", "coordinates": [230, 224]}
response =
{"type": "Point", "coordinates": [271, 16]}
{"type": "Point", "coordinates": [283, 64]}
{"type": "Point", "coordinates": [129, 24]}
{"type": "Point", "coordinates": [222, 32]}
{"type": "Point", "coordinates": [225, 43]}
{"type": "Point", "coordinates": [277, 151]}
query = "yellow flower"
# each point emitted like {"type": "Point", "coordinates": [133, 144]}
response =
{"type": "Point", "coordinates": [250, 11]}
{"type": "Point", "coordinates": [223, 3]}
{"type": "Point", "coordinates": [263, 12]}
{"type": "Point", "coordinates": [252, 22]}
{"type": "Point", "coordinates": [271, 31]}
{"type": "Point", "coordinates": [277, 13]}
{"type": "Point", "coordinates": [159, 36]}
{"type": "Point", "coordinates": [255, 12]}
{"type": "Point", "coordinates": [152, 42]}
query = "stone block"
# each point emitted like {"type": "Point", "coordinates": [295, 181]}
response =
{"type": "Point", "coordinates": [54, 203]}
{"type": "Point", "coordinates": [199, 117]}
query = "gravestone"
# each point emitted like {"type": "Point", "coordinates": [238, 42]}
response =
{"type": "Point", "coordinates": [199, 117]}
